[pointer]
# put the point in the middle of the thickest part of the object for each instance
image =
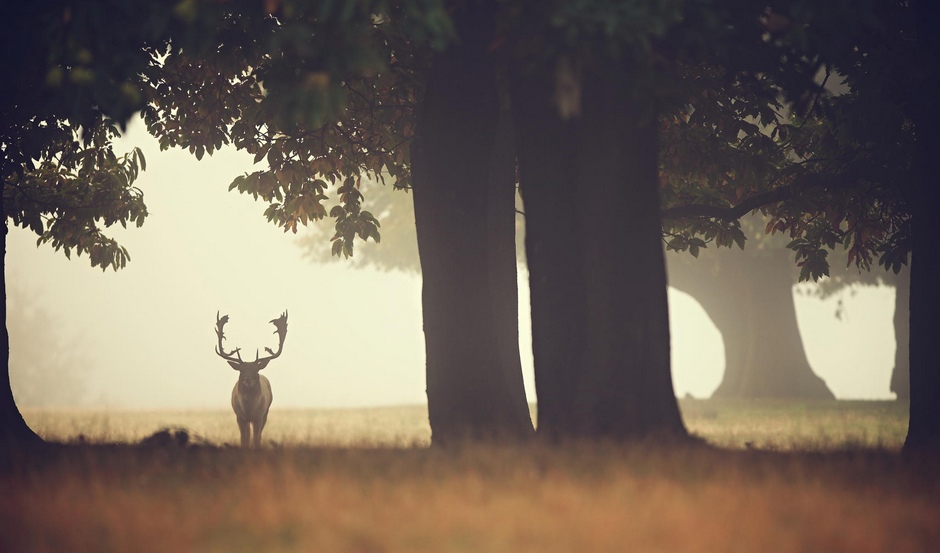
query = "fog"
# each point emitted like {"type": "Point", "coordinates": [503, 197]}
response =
{"type": "Point", "coordinates": [143, 337]}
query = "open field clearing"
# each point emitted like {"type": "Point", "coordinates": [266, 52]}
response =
{"type": "Point", "coordinates": [313, 493]}
{"type": "Point", "coordinates": [763, 424]}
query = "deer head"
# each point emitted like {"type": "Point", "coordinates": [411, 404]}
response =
{"type": "Point", "coordinates": [251, 397]}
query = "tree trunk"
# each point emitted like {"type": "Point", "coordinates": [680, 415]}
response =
{"type": "Point", "coordinates": [924, 430]}
{"type": "Point", "coordinates": [751, 303]}
{"type": "Point", "coordinates": [474, 379]}
{"type": "Point", "coordinates": [593, 240]}
{"type": "Point", "coordinates": [503, 296]}
{"type": "Point", "coordinates": [15, 434]}
{"type": "Point", "coordinates": [901, 374]}
{"type": "Point", "coordinates": [548, 170]}
{"type": "Point", "coordinates": [626, 382]}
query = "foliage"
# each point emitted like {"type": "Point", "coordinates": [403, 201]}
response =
{"type": "Point", "coordinates": [324, 94]}
{"type": "Point", "coordinates": [833, 176]}
{"type": "Point", "coordinates": [72, 77]}
{"type": "Point", "coordinates": [77, 187]}
{"type": "Point", "coordinates": [797, 143]}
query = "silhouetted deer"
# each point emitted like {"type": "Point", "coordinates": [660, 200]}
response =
{"type": "Point", "coordinates": [251, 397]}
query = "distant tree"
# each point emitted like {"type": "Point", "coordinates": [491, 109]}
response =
{"type": "Point", "coordinates": [859, 181]}
{"type": "Point", "coordinates": [748, 294]}
{"type": "Point", "coordinates": [839, 282]}
{"type": "Point", "coordinates": [46, 368]}
{"type": "Point", "coordinates": [901, 373]}
{"type": "Point", "coordinates": [398, 248]}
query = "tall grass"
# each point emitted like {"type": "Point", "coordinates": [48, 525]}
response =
{"type": "Point", "coordinates": [312, 493]}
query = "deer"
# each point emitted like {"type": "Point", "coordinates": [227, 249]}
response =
{"type": "Point", "coordinates": [251, 396]}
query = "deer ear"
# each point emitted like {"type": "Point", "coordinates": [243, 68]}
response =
{"type": "Point", "coordinates": [263, 363]}
{"type": "Point", "coordinates": [234, 365]}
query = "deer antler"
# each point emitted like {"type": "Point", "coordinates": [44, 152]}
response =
{"type": "Point", "coordinates": [228, 356]}
{"type": "Point", "coordinates": [280, 325]}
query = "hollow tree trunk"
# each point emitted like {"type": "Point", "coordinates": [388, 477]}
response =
{"type": "Point", "coordinates": [751, 303]}
{"type": "Point", "coordinates": [474, 378]}
{"type": "Point", "coordinates": [901, 374]}
{"type": "Point", "coordinates": [593, 241]}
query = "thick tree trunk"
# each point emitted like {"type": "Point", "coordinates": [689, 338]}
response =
{"type": "Point", "coordinates": [626, 382]}
{"type": "Point", "coordinates": [597, 276]}
{"type": "Point", "coordinates": [924, 429]}
{"type": "Point", "coordinates": [751, 303]}
{"type": "Point", "coordinates": [548, 169]}
{"type": "Point", "coordinates": [474, 379]}
{"type": "Point", "coordinates": [15, 434]}
{"type": "Point", "coordinates": [901, 374]}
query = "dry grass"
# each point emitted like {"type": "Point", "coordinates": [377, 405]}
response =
{"type": "Point", "coordinates": [581, 497]}
{"type": "Point", "coordinates": [736, 424]}
{"type": "Point", "coordinates": [381, 426]}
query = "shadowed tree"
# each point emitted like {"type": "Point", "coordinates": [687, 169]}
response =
{"type": "Point", "coordinates": [69, 85]}
{"type": "Point", "coordinates": [464, 185]}
{"type": "Point", "coordinates": [924, 431]}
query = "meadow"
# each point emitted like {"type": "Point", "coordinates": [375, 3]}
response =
{"type": "Point", "coordinates": [776, 476]}
{"type": "Point", "coordinates": [735, 424]}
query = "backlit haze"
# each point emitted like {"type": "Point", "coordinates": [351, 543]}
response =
{"type": "Point", "coordinates": [354, 336]}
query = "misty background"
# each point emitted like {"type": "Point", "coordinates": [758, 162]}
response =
{"type": "Point", "coordinates": [143, 337]}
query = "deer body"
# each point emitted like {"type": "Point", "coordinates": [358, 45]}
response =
{"type": "Point", "coordinates": [251, 402]}
{"type": "Point", "coordinates": [251, 396]}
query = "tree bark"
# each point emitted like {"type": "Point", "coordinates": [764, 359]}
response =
{"type": "Point", "coordinates": [924, 427]}
{"type": "Point", "coordinates": [901, 374]}
{"type": "Point", "coordinates": [750, 300]}
{"type": "Point", "coordinates": [924, 430]}
{"type": "Point", "coordinates": [626, 386]}
{"type": "Point", "coordinates": [548, 170]}
{"type": "Point", "coordinates": [503, 296]}
{"type": "Point", "coordinates": [593, 241]}
{"type": "Point", "coordinates": [474, 379]}
{"type": "Point", "coordinates": [15, 435]}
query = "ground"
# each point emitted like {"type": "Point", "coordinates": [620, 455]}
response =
{"type": "Point", "coordinates": [787, 477]}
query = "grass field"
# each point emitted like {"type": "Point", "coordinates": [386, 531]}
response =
{"type": "Point", "coordinates": [765, 424]}
{"type": "Point", "coordinates": [821, 476]}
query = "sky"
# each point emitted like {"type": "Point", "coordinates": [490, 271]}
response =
{"type": "Point", "coordinates": [354, 335]}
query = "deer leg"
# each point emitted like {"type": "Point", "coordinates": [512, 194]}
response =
{"type": "Point", "coordinates": [245, 428]}
{"type": "Point", "coordinates": [259, 426]}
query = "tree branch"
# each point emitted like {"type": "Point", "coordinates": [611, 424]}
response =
{"type": "Point", "coordinates": [780, 194]}
{"type": "Point", "coordinates": [731, 212]}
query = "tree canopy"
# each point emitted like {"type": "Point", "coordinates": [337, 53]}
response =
{"type": "Point", "coordinates": [746, 120]}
